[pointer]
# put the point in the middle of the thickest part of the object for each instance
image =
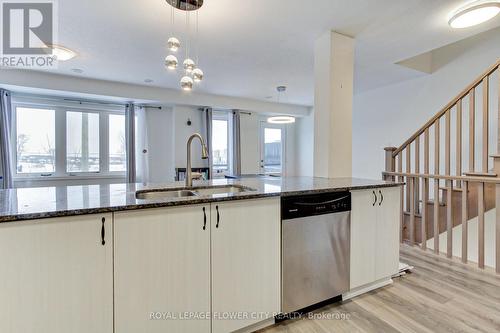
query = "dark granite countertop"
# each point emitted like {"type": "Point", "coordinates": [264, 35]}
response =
{"type": "Point", "coordinates": [43, 202]}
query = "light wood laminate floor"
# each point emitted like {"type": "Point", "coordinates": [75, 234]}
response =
{"type": "Point", "coordinates": [438, 296]}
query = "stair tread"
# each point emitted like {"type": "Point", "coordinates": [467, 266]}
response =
{"type": "Point", "coordinates": [416, 214]}
{"type": "Point", "coordinates": [430, 201]}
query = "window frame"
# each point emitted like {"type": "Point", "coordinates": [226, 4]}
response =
{"type": "Point", "coordinates": [222, 115]}
{"type": "Point", "coordinates": [60, 110]}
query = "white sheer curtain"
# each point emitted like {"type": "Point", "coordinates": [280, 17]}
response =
{"type": "Point", "coordinates": [5, 139]}
{"type": "Point", "coordinates": [141, 146]}
{"type": "Point", "coordinates": [236, 144]}
{"type": "Point", "coordinates": [130, 139]}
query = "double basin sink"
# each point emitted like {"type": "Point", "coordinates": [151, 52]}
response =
{"type": "Point", "coordinates": [166, 193]}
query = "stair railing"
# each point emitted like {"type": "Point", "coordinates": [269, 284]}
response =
{"type": "Point", "coordinates": [404, 165]}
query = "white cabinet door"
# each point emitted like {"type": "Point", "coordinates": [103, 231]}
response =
{"type": "Point", "coordinates": [363, 241]}
{"type": "Point", "coordinates": [56, 276]}
{"type": "Point", "coordinates": [162, 270]}
{"type": "Point", "coordinates": [245, 262]}
{"type": "Point", "coordinates": [387, 233]}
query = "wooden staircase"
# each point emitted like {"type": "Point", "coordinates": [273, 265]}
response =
{"type": "Point", "coordinates": [439, 197]}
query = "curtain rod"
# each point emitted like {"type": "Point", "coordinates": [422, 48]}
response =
{"type": "Point", "coordinates": [80, 101]}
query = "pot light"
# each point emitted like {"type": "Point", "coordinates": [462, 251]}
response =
{"type": "Point", "coordinates": [61, 53]}
{"type": "Point", "coordinates": [281, 120]}
{"type": "Point", "coordinates": [474, 14]}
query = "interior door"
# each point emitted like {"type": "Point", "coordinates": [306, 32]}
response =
{"type": "Point", "coordinates": [271, 148]}
{"type": "Point", "coordinates": [245, 263]}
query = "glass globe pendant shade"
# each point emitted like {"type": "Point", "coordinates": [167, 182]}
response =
{"type": "Point", "coordinates": [189, 65]}
{"type": "Point", "coordinates": [171, 62]}
{"type": "Point", "coordinates": [187, 83]}
{"type": "Point", "coordinates": [197, 75]}
{"type": "Point", "coordinates": [173, 44]}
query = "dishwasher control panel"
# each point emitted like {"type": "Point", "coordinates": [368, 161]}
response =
{"type": "Point", "coordinates": [315, 204]}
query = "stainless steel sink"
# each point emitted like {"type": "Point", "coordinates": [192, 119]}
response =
{"type": "Point", "coordinates": [229, 189]}
{"type": "Point", "coordinates": [156, 194]}
{"type": "Point", "coordinates": [164, 194]}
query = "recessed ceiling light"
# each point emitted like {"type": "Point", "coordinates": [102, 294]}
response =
{"type": "Point", "coordinates": [148, 81]}
{"type": "Point", "coordinates": [281, 120]}
{"type": "Point", "coordinates": [474, 13]}
{"type": "Point", "coordinates": [269, 97]}
{"type": "Point", "coordinates": [61, 53]}
{"type": "Point", "coordinates": [77, 70]}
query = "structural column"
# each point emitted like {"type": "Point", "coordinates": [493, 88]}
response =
{"type": "Point", "coordinates": [333, 99]}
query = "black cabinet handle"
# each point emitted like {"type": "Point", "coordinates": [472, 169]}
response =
{"type": "Point", "coordinates": [374, 198]}
{"type": "Point", "coordinates": [103, 232]}
{"type": "Point", "coordinates": [381, 198]}
{"type": "Point", "coordinates": [204, 219]}
{"type": "Point", "coordinates": [218, 216]}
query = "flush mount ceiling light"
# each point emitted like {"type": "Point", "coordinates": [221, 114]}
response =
{"type": "Point", "coordinates": [281, 120]}
{"type": "Point", "coordinates": [474, 13]}
{"type": "Point", "coordinates": [61, 53]}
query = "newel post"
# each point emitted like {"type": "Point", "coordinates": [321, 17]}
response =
{"type": "Point", "coordinates": [496, 169]}
{"type": "Point", "coordinates": [390, 162]}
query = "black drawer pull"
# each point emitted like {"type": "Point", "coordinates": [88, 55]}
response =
{"type": "Point", "coordinates": [204, 219]}
{"type": "Point", "coordinates": [381, 198]}
{"type": "Point", "coordinates": [374, 198]}
{"type": "Point", "coordinates": [218, 216]}
{"type": "Point", "coordinates": [103, 232]}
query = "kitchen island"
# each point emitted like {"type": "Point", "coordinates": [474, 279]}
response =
{"type": "Point", "coordinates": [98, 259]}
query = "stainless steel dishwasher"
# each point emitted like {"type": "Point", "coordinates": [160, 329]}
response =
{"type": "Point", "coordinates": [315, 248]}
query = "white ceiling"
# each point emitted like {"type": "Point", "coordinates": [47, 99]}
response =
{"type": "Point", "coordinates": [247, 48]}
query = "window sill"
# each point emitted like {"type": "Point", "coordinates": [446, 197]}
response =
{"type": "Point", "coordinates": [76, 177]}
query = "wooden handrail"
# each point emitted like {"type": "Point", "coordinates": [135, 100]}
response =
{"type": "Point", "coordinates": [448, 106]}
{"type": "Point", "coordinates": [471, 179]}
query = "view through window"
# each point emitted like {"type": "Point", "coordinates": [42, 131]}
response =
{"type": "Point", "coordinates": [220, 143]}
{"type": "Point", "coordinates": [272, 150]}
{"type": "Point", "coordinates": [35, 144]}
{"type": "Point", "coordinates": [56, 141]}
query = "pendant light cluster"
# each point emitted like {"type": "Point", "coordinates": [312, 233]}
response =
{"type": "Point", "coordinates": [192, 73]}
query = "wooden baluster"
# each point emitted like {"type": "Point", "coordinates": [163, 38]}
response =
{"type": "Point", "coordinates": [485, 124]}
{"type": "Point", "coordinates": [449, 185]}
{"type": "Point", "coordinates": [400, 179]}
{"type": "Point", "coordinates": [412, 209]}
{"type": "Point", "coordinates": [417, 171]}
{"type": "Point", "coordinates": [459, 143]}
{"type": "Point", "coordinates": [408, 170]}
{"type": "Point", "coordinates": [425, 190]}
{"type": "Point", "coordinates": [480, 212]}
{"type": "Point", "coordinates": [472, 129]}
{"type": "Point", "coordinates": [465, 217]}
{"type": "Point", "coordinates": [436, 186]}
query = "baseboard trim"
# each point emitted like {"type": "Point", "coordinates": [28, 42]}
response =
{"type": "Point", "coordinates": [366, 288]}
{"type": "Point", "coordinates": [257, 326]}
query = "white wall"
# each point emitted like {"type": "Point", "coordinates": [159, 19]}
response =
{"type": "Point", "coordinates": [304, 146]}
{"type": "Point", "coordinates": [250, 150]}
{"type": "Point", "coordinates": [161, 150]}
{"type": "Point", "coordinates": [389, 115]}
{"type": "Point", "coordinates": [182, 132]}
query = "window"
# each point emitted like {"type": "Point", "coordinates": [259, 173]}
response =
{"type": "Point", "coordinates": [220, 142]}
{"type": "Point", "coordinates": [35, 140]}
{"type": "Point", "coordinates": [63, 140]}
{"type": "Point", "coordinates": [82, 142]}
{"type": "Point", "coordinates": [117, 143]}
